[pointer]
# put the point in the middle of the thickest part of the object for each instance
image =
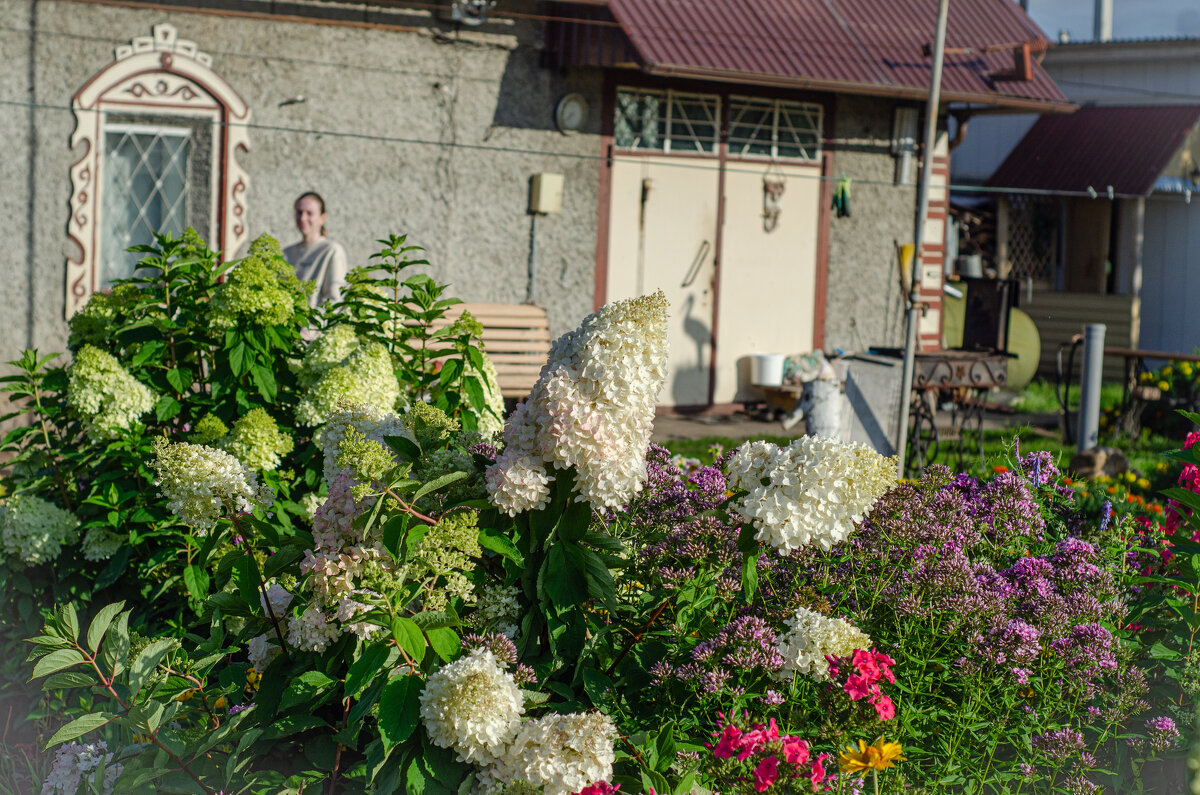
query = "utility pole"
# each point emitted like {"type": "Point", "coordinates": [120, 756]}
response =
{"type": "Point", "coordinates": [914, 294]}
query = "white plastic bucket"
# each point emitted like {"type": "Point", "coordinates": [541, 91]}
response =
{"type": "Point", "coordinates": [766, 369]}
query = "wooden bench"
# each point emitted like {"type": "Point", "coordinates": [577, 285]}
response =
{"type": "Point", "coordinates": [517, 340]}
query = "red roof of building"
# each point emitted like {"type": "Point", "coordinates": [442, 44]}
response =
{"type": "Point", "coordinates": [1125, 147]}
{"type": "Point", "coordinates": [863, 46]}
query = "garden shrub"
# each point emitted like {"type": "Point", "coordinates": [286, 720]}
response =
{"type": "Point", "coordinates": [312, 591]}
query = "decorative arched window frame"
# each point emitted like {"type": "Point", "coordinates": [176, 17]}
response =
{"type": "Point", "coordinates": [159, 76]}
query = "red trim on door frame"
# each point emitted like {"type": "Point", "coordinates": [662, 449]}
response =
{"type": "Point", "coordinates": [718, 243]}
{"type": "Point", "coordinates": [825, 200]}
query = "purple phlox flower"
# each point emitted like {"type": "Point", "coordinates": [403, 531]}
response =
{"type": "Point", "coordinates": [1060, 744]}
{"type": "Point", "coordinates": [1041, 468]}
{"type": "Point", "coordinates": [1106, 513]}
{"type": "Point", "coordinates": [1161, 733]}
{"type": "Point", "coordinates": [499, 645]}
{"type": "Point", "coordinates": [236, 708]}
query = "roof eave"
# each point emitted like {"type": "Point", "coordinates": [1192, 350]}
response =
{"type": "Point", "coordinates": [1016, 104]}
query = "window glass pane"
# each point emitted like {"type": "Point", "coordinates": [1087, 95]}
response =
{"type": "Point", "coordinates": [666, 121]}
{"type": "Point", "coordinates": [145, 192]}
{"type": "Point", "coordinates": [639, 120]}
{"type": "Point", "coordinates": [799, 130]}
{"type": "Point", "coordinates": [751, 126]}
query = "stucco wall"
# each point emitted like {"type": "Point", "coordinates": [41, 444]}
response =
{"type": "Point", "coordinates": [467, 206]}
{"type": "Point", "coordinates": [864, 304]}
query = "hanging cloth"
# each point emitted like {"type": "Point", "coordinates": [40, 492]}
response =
{"type": "Point", "coordinates": [841, 197]}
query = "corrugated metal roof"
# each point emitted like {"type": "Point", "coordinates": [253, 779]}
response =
{"type": "Point", "coordinates": [868, 46]}
{"type": "Point", "coordinates": [1125, 147]}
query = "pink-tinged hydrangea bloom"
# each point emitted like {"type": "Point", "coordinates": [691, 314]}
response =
{"type": "Point", "coordinates": [592, 409]}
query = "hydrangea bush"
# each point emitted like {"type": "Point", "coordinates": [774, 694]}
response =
{"type": "Point", "coordinates": [402, 603]}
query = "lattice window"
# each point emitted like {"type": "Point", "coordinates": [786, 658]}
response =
{"type": "Point", "coordinates": [667, 121]}
{"type": "Point", "coordinates": [774, 128]}
{"type": "Point", "coordinates": [159, 133]}
{"type": "Point", "coordinates": [146, 185]}
{"type": "Point", "coordinates": [1032, 237]}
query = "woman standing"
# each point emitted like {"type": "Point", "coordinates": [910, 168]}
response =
{"type": "Point", "coordinates": [316, 258]}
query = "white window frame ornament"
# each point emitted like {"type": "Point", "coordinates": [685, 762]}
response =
{"type": "Point", "coordinates": [162, 75]}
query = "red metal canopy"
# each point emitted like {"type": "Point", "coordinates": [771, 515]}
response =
{"type": "Point", "coordinates": [1125, 147]}
{"type": "Point", "coordinates": [860, 46]}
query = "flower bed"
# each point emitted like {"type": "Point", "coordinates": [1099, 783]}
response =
{"type": "Point", "coordinates": [316, 567]}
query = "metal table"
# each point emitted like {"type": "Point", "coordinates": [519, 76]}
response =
{"type": "Point", "coordinates": [967, 376]}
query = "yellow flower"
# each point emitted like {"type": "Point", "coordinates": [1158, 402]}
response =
{"type": "Point", "coordinates": [1131, 477]}
{"type": "Point", "coordinates": [1146, 376]}
{"type": "Point", "coordinates": [879, 756]}
{"type": "Point", "coordinates": [1143, 483]}
{"type": "Point", "coordinates": [186, 695]}
{"type": "Point", "coordinates": [1166, 371]}
{"type": "Point", "coordinates": [220, 704]}
{"type": "Point", "coordinates": [1185, 368]}
{"type": "Point", "coordinates": [1164, 386]}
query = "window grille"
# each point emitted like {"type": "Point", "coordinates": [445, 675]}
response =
{"type": "Point", "coordinates": [774, 128]}
{"type": "Point", "coordinates": [1032, 237]}
{"type": "Point", "coordinates": [667, 121]}
{"type": "Point", "coordinates": [146, 187]}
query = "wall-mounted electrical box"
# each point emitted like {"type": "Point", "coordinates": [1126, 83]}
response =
{"type": "Point", "coordinates": [545, 193]}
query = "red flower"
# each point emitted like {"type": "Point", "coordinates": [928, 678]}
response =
{"type": "Point", "coordinates": [816, 773]}
{"type": "Point", "coordinates": [730, 742]}
{"type": "Point", "coordinates": [795, 750]}
{"type": "Point", "coordinates": [766, 773]}
{"type": "Point", "coordinates": [885, 708]}
{"type": "Point", "coordinates": [599, 788]}
{"type": "Point", "coordinates": [857, 687]}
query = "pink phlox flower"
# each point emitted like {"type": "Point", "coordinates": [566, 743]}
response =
{"type": "Point", "coordinates": [766, 773]}
{"type": "Point", "coordinates": [885, 708]}
{"type": "Point", "coordinates": [599, 788]}
{"type": "Point", "coordinates": [857, 687]}
{"type": "Point", "coordinates": [833, 665]}
{"type": "Point", "coordinates": [795, 750]}
{"type": "Point", "coordinates": [730, 742]}
{"type": "Point", "coordinates": [816, 773]}
{"type": "Point", "coordinates": [866, 664]}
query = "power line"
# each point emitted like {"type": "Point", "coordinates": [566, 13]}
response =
{"type": "Point", "coordinates": [682, 163]}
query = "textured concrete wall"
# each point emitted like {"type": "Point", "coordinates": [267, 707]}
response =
{"type": "Point", "coordinates": [864, 303]}
{"type": "Point", "coordinates": [483, 87]}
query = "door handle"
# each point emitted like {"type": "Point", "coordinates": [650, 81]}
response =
{"type": "Point", "coordinates": [694, 269]}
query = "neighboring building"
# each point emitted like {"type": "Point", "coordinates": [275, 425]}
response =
{"type": "Point", "coordinates": [1099, 220]}
{"type": "Point", "coordinates": [700, 144]}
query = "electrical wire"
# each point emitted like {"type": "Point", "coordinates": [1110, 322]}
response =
{"type": "Point", "coordinates": [666, 161]}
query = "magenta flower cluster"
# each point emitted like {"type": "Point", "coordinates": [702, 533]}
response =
{"type": "Point", "coordinates": [859, 676]}
{"type": "Point", "coordinates": [767, 755]}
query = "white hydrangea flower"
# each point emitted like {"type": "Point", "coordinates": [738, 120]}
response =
{"type": "Point", "coordinates": [518, 483]}
{"type": "Point", "coordinates": [365, 376]}
{"type": "Point", "coordinates": [202, 483]}
{"type": "Point", "coordinates": [490, 425]}
{"type": "Point", "coordinates": [473, 706]}
{"type": "Point", "coordinates": [312, 502]}
{"type": "Point", "coordinates": [100, 543]}
{"type": "Point", "coordinates": [76, 762]}
{"type": "Point", "coordinates": [101, 391]}
{"type": "Point", "coordinates": [499, 608]}
{"type": "Point", "coordinates": [811, 637]}
{"type": "Point", "coordinates": [261, 649]}
{"type": "Point", "coordinates": [278, 597]}
{"type": "Point", "coordinates": [371, 422]}
{"type": "Point", "coordinates": [311, 630]}
{"type": "Point", "coordinates": [33, 531]}
{"type": "Point", "coordinates": [591, 409]}
{"type": "Point", "coordinates": [812, 491]}
{"type": "Point", "coordinates": [561, 753]}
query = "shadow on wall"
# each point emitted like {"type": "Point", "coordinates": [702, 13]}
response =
{"type": "Point", "coordinates": [529, 94]}
{"type": "Point", "coordinates": [689, 381]}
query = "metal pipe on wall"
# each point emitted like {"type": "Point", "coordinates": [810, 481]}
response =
{"type": "Point", "coordinates": [1088, 424]}
{"type": "Point", "coordinates": [914, 297]}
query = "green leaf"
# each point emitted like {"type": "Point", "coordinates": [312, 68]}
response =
{"type": "Point", "coordinates": [1160, 652]}
{"type": "Point", "coordinates": [115, 649]}
{"type": "Point", "coordinates": [399, 710]}
{"type": "Point", "coordinates": [166, 408]}
{"type": "Point", "coordinates": [196, 580]}
{"type": "Point", "coordinates": [56, 661]}
{"type": "Point", "coordinates": [500, 544]}
{"type": "Point", "coordinates": [146, 663]}
{"type": "Point", "coordinates": [437, 483]}
{"type": "Point", "coordinates": [445, 642]}
{"type": "Point", "coordinates": [65, 680]}
{"type": "Point", "coordinates": [69, 621]}
{"type": "Point", "coordinates": [77, 728]}
{"type": "Point", "coordinates": [245, 575]}
{"type": "Point", "coordinates": [180, 378]}
{"type": "Point", "coordinates": [407, 448]}
{"type": "Point", "coordinates": [115, 568]}
{"type": "Point", "coordinates": [237, 356]}
{"type": "Point", "coordinates": [100, 624]}
{"type": "Point", "coordinates": [363, 670]}
{"type": "Point", "coordinates": [306, 687]}
{"type": "Point", "coordinates": [409, 636]}
{"type": "Point", "coordinates": [435, 619]}
{"type": "Point", "coordinates": [264, 380]}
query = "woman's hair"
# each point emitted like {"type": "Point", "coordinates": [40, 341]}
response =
{"type": "Point", "coordinates": [313, 194]}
